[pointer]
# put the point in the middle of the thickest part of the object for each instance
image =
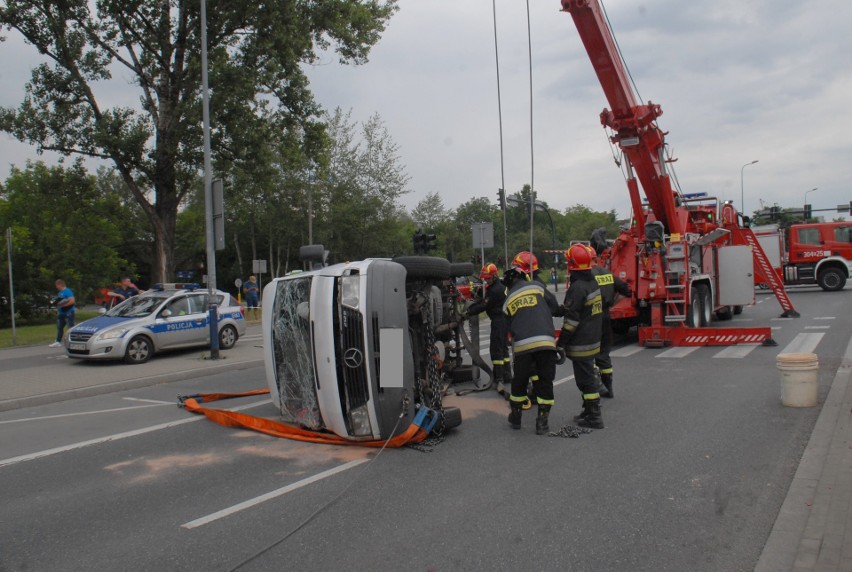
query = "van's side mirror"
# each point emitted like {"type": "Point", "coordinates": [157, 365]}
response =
{"type": "Point", "coordinates": [101, 310]}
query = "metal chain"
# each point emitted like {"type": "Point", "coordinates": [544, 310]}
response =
{"type": "Point", "coordinates": [570, 432]}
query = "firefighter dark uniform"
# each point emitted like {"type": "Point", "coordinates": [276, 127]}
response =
{"type": "Point", "coordinates": [530, 313]}
{"type": "Point", "coordinates": [609, 285]}
{"type": "Point", "coordinates": [581, 332]}
{"type": "Point", "coordinates": [492, 305]}
{"type": "Point", "coordinates": [529, 264]}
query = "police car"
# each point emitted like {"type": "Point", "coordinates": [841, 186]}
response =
{"type": "Point", "coordinates": [169, 316]}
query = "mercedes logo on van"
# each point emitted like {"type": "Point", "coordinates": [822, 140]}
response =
{"type": "Point", "coordinates": [353, 358]}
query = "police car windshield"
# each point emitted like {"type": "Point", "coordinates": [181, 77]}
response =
{"type": "Point", "coordinates": [138, 306]}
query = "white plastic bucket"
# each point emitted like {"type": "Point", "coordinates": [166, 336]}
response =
{"type": "Point", "coordinates": [798, 379]}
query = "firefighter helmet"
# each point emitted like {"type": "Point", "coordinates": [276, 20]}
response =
{"type": "Point", "coordinates": [579, 257]}
{"type": "Point", "coordinates": [522, 262]}
{"type": "Point", "coordinates": [488, 271]}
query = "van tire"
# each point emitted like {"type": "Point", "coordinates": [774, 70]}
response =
{"type": "Point", "coordinates": [424, 267]}
{"type": "Point", "coordinates": [461, 269]}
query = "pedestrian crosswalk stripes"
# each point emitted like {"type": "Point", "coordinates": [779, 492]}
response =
{"type": "Point", "coordinates": [803, 343]}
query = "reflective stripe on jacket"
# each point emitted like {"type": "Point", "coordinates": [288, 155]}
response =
{"type": "Point", "coordinates": [530, 317]}
{"type": "Point", "coordinates": [583, 316]}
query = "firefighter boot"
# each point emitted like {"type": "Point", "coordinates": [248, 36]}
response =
{"type": "Point", "coordinates": [582, 415]}
{"type": "Point", "coordinates": [499, 384]}
{"type": "Point", "coordinates": [606, 379]}
{"type": "Point", "coordinates": [515, 414]}
{"type": "Point", "coordinates": [541, 427]}
{"type": "Point", "coordinates": [593, 418]}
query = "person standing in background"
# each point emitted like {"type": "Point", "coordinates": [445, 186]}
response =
{"type": "Point", "coordinates": [64, 311]}
{"type": "Point", "coordinates": [252, 293]}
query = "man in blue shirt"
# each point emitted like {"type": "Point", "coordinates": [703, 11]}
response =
{"type": "Point", "coordinates": [252, 292]}
{"type": "Point", "coordinates": [125, 290]}
{"type": "Point", "coordinates": [64, 310]}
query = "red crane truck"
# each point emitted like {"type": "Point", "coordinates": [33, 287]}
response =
{"type": "Point", "coordinates": [686, 257]}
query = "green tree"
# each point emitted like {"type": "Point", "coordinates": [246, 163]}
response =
{"type": "Point", "coordinates": [63, 226]}
{"type": "Point", "coordinates": [259, 88]}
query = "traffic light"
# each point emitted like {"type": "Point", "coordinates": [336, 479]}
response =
{"type": "Point", "coordinates": [807, 212]}
{"type": "Point", "coordinates": [501, 199]}
{"type": "Point", "coordinates": [773, 213]}
{"type": "Point", "coordinates": [423, 242]}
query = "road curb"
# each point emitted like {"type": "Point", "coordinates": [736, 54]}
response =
{"type": "Point", "coordinates": [111, 387]}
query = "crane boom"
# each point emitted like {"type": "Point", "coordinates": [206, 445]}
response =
{"type": "Point", "coordinates": [633, 123]}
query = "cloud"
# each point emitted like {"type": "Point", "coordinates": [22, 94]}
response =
{"type": "Point", "coordinates": [737, 81]}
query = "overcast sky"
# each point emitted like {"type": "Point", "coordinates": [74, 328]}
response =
{"type": "Point", "coordinates": [738, 80]}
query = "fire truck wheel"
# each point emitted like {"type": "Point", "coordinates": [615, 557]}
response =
{"type": "Point", "coordinates": [693, 311]}
{"type": "Point", "coordinates": [461, 269]}
{"type": "Point", "coordinates": [452, 417]}
{"type": "Point", "coordinates": [738, 310]}
{"type": "Point", "coordinates": [724, 313]}
{"type": "Point", "coordinates": [831, 279]}
{"type": "Point", "coordinates": [706, 304]}
{"type": "Point", "coordinates": [424, 267]}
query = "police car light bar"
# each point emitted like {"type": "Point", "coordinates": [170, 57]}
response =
{"type": "Point", "coordinates": [176, 286]}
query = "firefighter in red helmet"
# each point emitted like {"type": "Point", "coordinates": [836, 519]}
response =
{"type": "Point", "coordinates": [492, 305]}
{"type": "Point", "coordinates": [528, 262]}
{"type": "Point", "coordinates": [581, 331]}
{"type": "Point", "coordinates": [530, 307]}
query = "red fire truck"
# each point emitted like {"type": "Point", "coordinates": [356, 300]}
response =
{"type": "Point", "coordinates": [805, 254]}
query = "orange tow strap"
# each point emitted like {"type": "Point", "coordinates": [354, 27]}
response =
{"type": "Point", "coordinates": [414, 433]}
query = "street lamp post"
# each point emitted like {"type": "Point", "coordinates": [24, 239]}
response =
{"type": "Point", "coordinates": [742, 194]}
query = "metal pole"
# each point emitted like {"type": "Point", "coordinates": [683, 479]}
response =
{"type": "Point", "coordinates": [742, 193]}
{"type": "Point", "coordinates": [500, 119]}
{"type": "Point", "coordinates": [11, 284]}
{"type": "Point", "coordinates": [481, 242]}
{"type": "Point", "coordinates": [208, 192]}
{"type": "Point", "coordinates": [311, 180]}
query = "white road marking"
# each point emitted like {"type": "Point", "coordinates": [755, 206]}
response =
{"type": "Point", "coordinates": [563, 380]}
{"type": "Point", "coordinates": [739, 351]}
{"type": "Point", "coordinates": [803, 343]}
{"type": "Point", "coordinates": [83, 413]}
{"type": "Point", "coordinates": [115, 437]}
{"type": "Point", "coordinates": [825, 318]}
{"type": "Point", "coordinates": [270, 495]}
{"type": "Point", "coordinates": [626, 351]}
{"type": "Point", "coordinates": [678, 352]}
{"type": "Point", "coordinates": [742, 319]}
{"type": "Point", "coordinates": [817, 327]}
{"type": "Point", "coordinates": [149, 400]}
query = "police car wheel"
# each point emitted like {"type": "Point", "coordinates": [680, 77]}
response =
{"type": "Point", "coordinates": [227, 337]}
{"type": "Point", "coordinates": [139, 350]}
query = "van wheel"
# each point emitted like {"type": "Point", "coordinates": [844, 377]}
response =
{"type": "Point", "coordinates": [139, 350]}
{"type": "Point", "coordinates": [461, 269]}
{"type": "Point", "coordinates": [424, 267]}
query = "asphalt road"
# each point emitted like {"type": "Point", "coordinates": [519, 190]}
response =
{"type": "Point", "coordinates": [689, 474]}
